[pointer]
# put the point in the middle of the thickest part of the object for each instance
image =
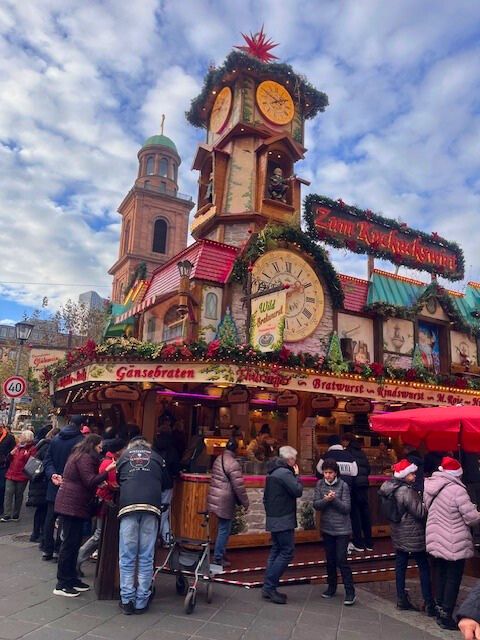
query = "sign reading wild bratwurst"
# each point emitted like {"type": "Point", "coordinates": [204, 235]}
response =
{"type": "Point", "coordinates": [365, 232]}
{"type": "Point", "coordinates": [268, 321]}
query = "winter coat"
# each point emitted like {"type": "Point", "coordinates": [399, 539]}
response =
{"type": "Point", "coordinates": [470, 607]}
{"type": "Point", "coordinates": [346, 463]}
{"type": "Point", "coordinates": [80, 481]}
{"type": "Point", "coordinates": [282, 488]}
{"type": "Point", "coordinates": [57, 455]}
{"type": "Point", "coordinates": [227, 489]}
{"type": "Point", "coordinates": [450, 516]}
{"type": "Point", "coordinates": [7, 443]}
{"type": "Point", "coordinates": [106, 491]}
{"type": "Point", "coordinates": [360, 481]}
{"type": "Point", "coordinates": [408, 534]}
{"type": "Point", "coordinates": [140, 473]}
{"type": "Point", "coordinates": [18, 459]}
{"type": "Point", "coordinates": [37, 489]}
{"type": "Point", "coordinates": [165, 447]}
{"type": "Point", "coordinates": [335, 518]}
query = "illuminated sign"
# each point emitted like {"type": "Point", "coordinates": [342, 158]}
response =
{"type": "Point", "coordinates": [365, 232]}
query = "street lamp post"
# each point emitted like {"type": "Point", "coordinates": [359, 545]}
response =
{"type": "Point", "coordinates": [22, 334]}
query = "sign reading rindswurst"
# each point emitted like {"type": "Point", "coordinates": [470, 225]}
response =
{"type": "Point", "coordinates": [365, 232]}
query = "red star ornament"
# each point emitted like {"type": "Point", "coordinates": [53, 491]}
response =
{"type": "Point", "coordinates": [258, 46]}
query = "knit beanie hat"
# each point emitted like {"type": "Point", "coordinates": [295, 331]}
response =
{"type": "Point", "coordinates": [452, 466]}
{"type": "Point", "coordinates": [403, 468]}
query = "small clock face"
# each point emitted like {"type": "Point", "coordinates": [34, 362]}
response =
{"type": "Point", "coordinates": [275, 102]}
{"type": "Point", "coordinates": [305, 298]}
{"type": "Point", "coordinates": [221, 110]}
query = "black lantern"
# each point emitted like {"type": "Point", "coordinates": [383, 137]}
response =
{"type": "Point", "coordinates": [23, 331]}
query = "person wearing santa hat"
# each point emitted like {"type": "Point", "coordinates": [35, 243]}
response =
{"type": "Point", "coordinates": [408, 533]}
{"type": "Point", "coordinates": [451, 513]}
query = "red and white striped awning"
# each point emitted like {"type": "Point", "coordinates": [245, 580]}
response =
{"type": "Point", "coordinates": [137, 308]}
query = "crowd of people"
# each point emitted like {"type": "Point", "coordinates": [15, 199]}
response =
{"type": "Point", "coordinates": [73, 474]}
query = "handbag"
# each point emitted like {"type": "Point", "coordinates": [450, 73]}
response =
{"type": "Point", "coordinates": [33, 468]}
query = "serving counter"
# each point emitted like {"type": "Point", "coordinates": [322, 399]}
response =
{"type": "Point", "coordinates": [248, 530]}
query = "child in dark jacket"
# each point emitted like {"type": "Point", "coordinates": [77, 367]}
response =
{"type": "Point", "coordinates": [332, 498]}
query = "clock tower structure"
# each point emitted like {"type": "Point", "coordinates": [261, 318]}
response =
{"type": "Point", "coordinates": [154, 215]}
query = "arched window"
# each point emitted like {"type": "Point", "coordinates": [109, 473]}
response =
{"type": "Point", "coordinates": [150, 165]}
{"type": "Point", "coordinates": [151, 328]}
{"type": "Point", "coordinates": [126, 237]}
{"type": "Point", "coordinates": [164, 167]}
{"type": "Point", "coordinates": [211, 304]}
{"type": "Point", "coordinates": [160, 236]}
{"type": "Point", "coordinates": [173, 326]}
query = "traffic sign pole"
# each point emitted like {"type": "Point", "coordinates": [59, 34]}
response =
{"type": "Point", "coordinates": [17, 369]}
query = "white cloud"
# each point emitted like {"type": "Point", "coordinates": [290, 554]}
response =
{"type": "Point", "coordinates": [83, 84]}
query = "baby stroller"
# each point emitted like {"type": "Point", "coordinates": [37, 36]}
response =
{"type": "Point", "coordinates": [189, 561]}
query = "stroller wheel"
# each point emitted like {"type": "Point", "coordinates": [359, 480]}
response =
{"type": "Point", "coordinates": [209, 592]}
{"type": "Point", "coordinates": [190, 601]}
{"type": "Point", "coordinates": [181, 585]}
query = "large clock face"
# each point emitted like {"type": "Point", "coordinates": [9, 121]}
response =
{"type": "Point", "coordinates": [221, 110]}
{"type": "Point", "coordinates": [275, 102]}
{"type": "Point", "coordinates": [305, 298]}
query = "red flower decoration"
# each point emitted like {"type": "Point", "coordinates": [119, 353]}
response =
{"type": "Point", "coordinates": [168, 351]}
{"type": "Point", "coordinates": [213, 348]}
{"type": "Point", "coordinates": [185, 352]}
{"type": "Point", "coordinates": [461, 383]}
{"type": "Point", "coordinates": [411, 375]}
{"type": "Point", "coordinates": [89, 349]}
{"type": "Point", "coordinates": [70, 357]}
{"type": "Point", "coordinates": [284, 354]}
{"type": "Point", "coordinates": [341, 203]}
{"type": "Point", "coordinates": [377, 368]}
{"type": "Point", "coordinates": [435, 235]}
{"type": "Point", "coordinates": [374, 244]}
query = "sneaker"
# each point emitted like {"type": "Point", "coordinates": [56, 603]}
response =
{"type": "Point", "coordinates": [78, 585]}
{"type": "Point", "coordinates": [447, 622]}
{"type": "Point", "coordinates": [329, 593]}
{"type": "Point", "coordinates": [349, 548]}
{"type": "Point", "coordinates": [404, 603]}
{"type": "Point", "coordinates": [274, 596]}
{"type": "Point", "coordinates": [34, 538]}
{"type": "Point", "coordinates": [357, 549]}
{"type": "Point", "coordinates": [350, 599]}
{"type": "Point", "coordinates": [66, 592]}
{"type": "Point", "coordinates": [15, 518]}
{"type": "Point", "coordinates": [5, 519]}
{"type": "Point", "coordinates": [128, 608]}
{"type": "Point", "coordinates": [369, 548]}
{"type": "Point", "coordinates": [47, 556]}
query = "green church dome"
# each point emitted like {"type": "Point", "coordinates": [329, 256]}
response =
{"type": "Point", "coordinates": [160, 140]}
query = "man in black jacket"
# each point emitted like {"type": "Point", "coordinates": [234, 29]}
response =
{"type": "Point", "coordinates": [282, 488]}
{"type": "Point", "coordinates": [57, 455]}
{"type": "Point", "coordinates": [346, 463]}
{"type": "Point", "coordinates": [360, 512]}
{"type": "Point", "coordinates": [7, 443]}
{"type": "Point", "coordinates": [139, 471]}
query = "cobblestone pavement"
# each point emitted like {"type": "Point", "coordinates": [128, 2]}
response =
{"type": "Point", "coordinates": [29, 610]}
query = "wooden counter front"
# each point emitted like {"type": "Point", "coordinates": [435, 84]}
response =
{"type": "Point", "coordinates": [190, 497]}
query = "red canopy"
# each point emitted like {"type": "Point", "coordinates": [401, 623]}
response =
{"type": "Point", "coordinates": [438, 428]}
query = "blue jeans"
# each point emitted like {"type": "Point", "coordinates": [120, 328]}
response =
{"type": "Point", "coordinates": [401, 564]}
{"type": "Point", "coordinates": [281, 554]}
{"type": "Point", "coordinates": [224, 528]}
{"type": "Point", "coordinates": [138, 534]}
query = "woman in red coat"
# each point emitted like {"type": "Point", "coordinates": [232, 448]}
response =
{"type": "Point", "coordinates": [16, 480]}
{"type": "Point", "coordinates": [73, 503]}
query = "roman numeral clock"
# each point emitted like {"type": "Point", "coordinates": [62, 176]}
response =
{"type": "Point", "coordinates": [305, 296]}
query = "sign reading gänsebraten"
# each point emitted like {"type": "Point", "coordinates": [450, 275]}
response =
{"type": "Point", "coordinates": [365, 232]}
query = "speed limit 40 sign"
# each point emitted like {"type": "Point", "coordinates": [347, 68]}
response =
{"type": "Point", "coordinates": [14, 387]}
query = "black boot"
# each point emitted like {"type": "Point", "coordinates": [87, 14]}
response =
{"type": "Point", "coordinates": [445, 621]}
{"type": "Point", "coordinates": [330, 592]}
{"type": "Point", "coordinates": [404, 603]}
{"type": "Point", "coordinates": [431, 609]}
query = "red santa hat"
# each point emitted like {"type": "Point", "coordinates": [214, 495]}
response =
{"type": "Point", "coordinates": [451, 466]}
{"type": "Point", "coordinates": [85, 430]}
{"type": "Point", "coordinates": [403, 468]}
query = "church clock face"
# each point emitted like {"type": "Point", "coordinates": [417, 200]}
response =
{"type": "Point", "coordinates": [275, 102]}
{"type": "Point", "coordinates": [305, 297]}
{"type": "Point", "coordinates": [221, 110]}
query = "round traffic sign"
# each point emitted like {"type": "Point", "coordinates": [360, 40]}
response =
{"type": "Point", "coordinates": [14, 387]}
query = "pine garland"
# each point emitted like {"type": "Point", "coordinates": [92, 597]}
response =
{"type": "Point", "coordinates": [237, 62]}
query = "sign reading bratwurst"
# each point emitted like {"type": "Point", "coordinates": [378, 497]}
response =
{"type": "Point", "coordinates": [365, 232]}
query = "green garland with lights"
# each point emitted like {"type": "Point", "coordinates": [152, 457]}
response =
{"type": "Point", "coordinates": [270, 237]}
{"type": "Point", "coordinates": [214, 353]}
{"type": "Point", "coordinates": [237, 62]}
{"type": "Point", "coordinates": [312, 200]}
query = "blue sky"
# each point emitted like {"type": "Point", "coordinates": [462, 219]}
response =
{"type": "Point", "coordinates": [83, 84]}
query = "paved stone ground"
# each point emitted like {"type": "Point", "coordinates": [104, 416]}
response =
{"type": "Point", "coordinates": [28, 609]}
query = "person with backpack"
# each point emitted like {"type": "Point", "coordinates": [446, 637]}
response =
{"type": "Point", "coordinates": [227, 489]}
{"type": "Point", "coordinates": [403, 507]}
{"type": "Point", "coordinates": [37, 489]}
{"type": "Point", "coordinates": [451, 514]}
{"type": "Point", "coordinates": [332, 498]}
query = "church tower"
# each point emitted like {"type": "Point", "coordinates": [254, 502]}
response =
{"type": "Point", "coordinates": [154, 214]}
{"type": "Point", "coordinates": [254, 112]}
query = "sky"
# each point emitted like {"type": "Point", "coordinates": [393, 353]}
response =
{"type": "Point", "coordinates": [85, 83]}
